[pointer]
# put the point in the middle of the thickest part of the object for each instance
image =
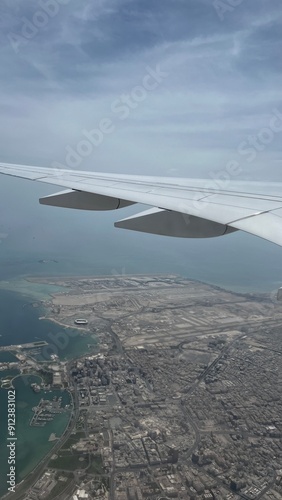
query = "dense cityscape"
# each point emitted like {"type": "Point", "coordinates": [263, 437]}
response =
{"type": "Point", "coordinates": [181, 398]}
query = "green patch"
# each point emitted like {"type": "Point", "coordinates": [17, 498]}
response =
{"type": "Point", "coordinates": [106, 482]}
{"type": "Point", "coordinates": [64, 453]}
{"type": "Point", "coordinates": [96, 466]}
{"type": "Point", "coordinates": [73, 439]}
{"type": "Point", "coordinates": [69, 462]}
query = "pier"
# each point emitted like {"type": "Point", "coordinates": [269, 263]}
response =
{"type": "Point", "coordinates": [46, 411]}
{"type": "Point", "coordinates": [18, 347]}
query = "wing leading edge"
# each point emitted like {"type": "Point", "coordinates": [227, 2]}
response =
{"type": "Point", "coordinates": [182, 207]}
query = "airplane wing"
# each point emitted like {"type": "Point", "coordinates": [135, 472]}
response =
{"type": "Point", "coordinates": [180, 207]}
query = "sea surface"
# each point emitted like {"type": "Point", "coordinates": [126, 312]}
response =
{"type": "Point", "coordinates": [20, 323]}
{"type": "Point", "coordinates": [32, 442]}
{"type": "Point", "coordinates": [40, 240]}
{"type": "Point", "coordinates": [237, 261]}
{"type": "Point", "coordinates": [45, 241]}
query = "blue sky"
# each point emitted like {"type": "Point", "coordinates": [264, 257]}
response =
{"type": "Point", "coordinates": [71, 67]}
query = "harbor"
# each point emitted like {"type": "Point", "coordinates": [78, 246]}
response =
{"type": "Point", "coordinates": [19, 347]}
{"type": "Point", "coordinates": [46, 411]}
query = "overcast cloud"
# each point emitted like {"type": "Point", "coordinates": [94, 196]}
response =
{"type": "Point", "coordinates": [174, 87]}
{"type": "Point", "coordinates": [221, 84]}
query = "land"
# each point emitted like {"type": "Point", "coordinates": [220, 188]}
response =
{"type": "Point", "coordinates": [183, 399]}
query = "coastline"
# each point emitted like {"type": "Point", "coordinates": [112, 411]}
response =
{"type": "Point", "coordinates": [65, 325]}
{"type": "Point", "coordinates": [116, 308]}
{"type": "Point", "coordinates": [46, 288]}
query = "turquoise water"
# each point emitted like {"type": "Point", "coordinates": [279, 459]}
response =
{"type": "Point", "coordinates": [7, 357]}
{"type": "Point", "coordinates": [6, 377]}
{"type": "Point", "coordinates": [20, 320]}
{"type": "Point", "coordinates": [67, 344]}
{"type": "Point", "coordinates": [84, 243]}
{"type": "Point", "coordinates": [238, 262]}
{"type": "Point", "coordinates": [20, 324]}
{"type": "Point", "coordinates": [8, 373]}
{"type": "Point", "coordinates": [32, 442]}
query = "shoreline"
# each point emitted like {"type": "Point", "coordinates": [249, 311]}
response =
{"type": "Point", "coordinates": [54, 320]}
{"type": "Point", "coordinates": [26, 285]}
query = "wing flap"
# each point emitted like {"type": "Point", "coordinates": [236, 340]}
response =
{"type": "Point", "coordinates": [250, 206]}
{"type": "Point", "coordinates": [83, 201]}
{"type": "Point", "coordinates": [176, 224]}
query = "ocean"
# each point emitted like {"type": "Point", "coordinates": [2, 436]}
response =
{"type": "Point", "coordinates": [40, 240]}
{"type": "Point", "coordinates": [32, 442]}
{"type": "Point", "coordinates": [20, 323]}
{"type": "Point", "coordinates": [45, 241]}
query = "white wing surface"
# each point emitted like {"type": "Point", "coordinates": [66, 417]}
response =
{"type": "Point", "coordinates": [197, 208]}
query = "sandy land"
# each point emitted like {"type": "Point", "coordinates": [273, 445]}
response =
{"type": "Point", "coordinates": [53, 437]}
{"type": "Point", "coordinates": [65, 325]}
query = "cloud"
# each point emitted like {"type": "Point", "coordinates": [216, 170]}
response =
{"type": "Point", "coordinates": [222, 85]}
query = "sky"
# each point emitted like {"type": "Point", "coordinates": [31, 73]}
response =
{"type": "Point", "coordinates": [168, 87]}
{"type": "Point", "coordinates": [68, 64]}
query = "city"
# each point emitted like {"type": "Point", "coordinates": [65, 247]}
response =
{"type": "Point", "coordinates": [180, 399]}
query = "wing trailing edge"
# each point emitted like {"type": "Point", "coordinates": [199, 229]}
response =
{"type": "Point", "coordinates": [81, 200]}
{"type": "Point", "coordinates": [176, 224]}
{"type": "Point", "coordinates": [190, 208]}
